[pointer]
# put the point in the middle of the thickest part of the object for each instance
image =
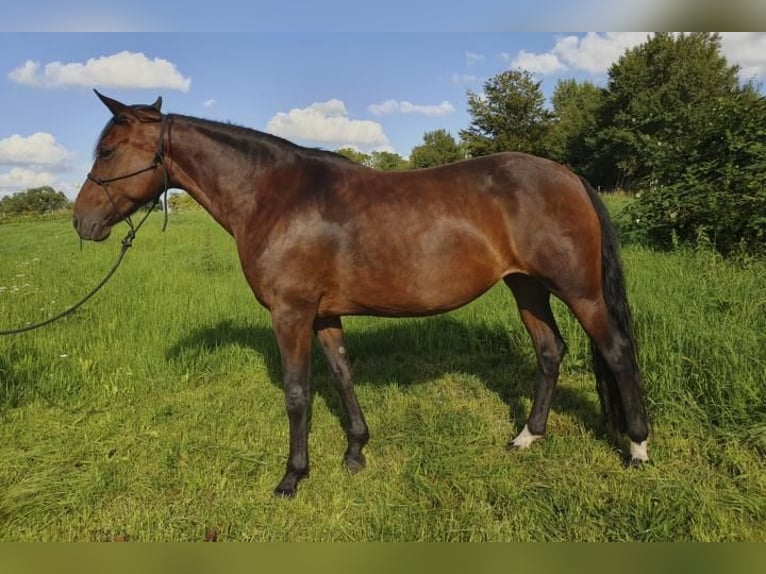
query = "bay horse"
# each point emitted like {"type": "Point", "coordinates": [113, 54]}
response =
{"type": "Point", "coordinates": [320, 237]}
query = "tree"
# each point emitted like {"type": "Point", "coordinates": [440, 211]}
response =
{"type": "Point", "coordinates": [660, 98]}
{"type": "Point", "coordinates": [355, 156]}
{"type": "Point", "coordinates": [720, 195]}
{"type": "Point", "coordinates": [575, 111]}
{"type": "Point", "coordinates": [35, 200]}
{"type": "Point", "coordinates": [383, 160]}
{"type": "Point", "coordinates": [388, 161]}
{"type": "Point", "coordinates": [509, 115]}
{"type": "Point", "coordinates": [678, 125]}
{"type": "Point", "coordinates": [438, 148]}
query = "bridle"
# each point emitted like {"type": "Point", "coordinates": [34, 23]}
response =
{"type": "Point", "coordinates": [158, 161]}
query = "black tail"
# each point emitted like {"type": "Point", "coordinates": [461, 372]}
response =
{"type": "Point", "coordinates": [613, 285]}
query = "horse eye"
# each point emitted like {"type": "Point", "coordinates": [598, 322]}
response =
{"type": "Point", "coordinates": [104, 153]}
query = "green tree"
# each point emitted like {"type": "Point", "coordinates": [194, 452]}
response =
{"type": "Point", "coordinates": [678, 125]}
{"type": "Point", "coordinates": [659, 102]}
{"type": "Point", "coordinates": [35, 200]}
{"type": "Point", "coordinates": [384, 160]}
{"type": "Point", "coordinates": [355, 156]}
{"type": "Point", "coordinates": [388, 161]}
{"type": "Point", "coordinates": [575, 110]}
{"type": "Point", "coordinates": [510, 115]}
{"type": "Point", "coordinates": [438, 148]}
{"type": "Point", "coordinates": [720, 195]}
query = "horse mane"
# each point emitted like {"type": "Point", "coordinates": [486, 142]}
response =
{"type": "Point", "coordinates": [234, 132]}
{"type": "Point", "coordinates": [239, 136]}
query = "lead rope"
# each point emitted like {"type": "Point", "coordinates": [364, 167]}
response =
{"type": "Point", "coordinates": [127, 241]}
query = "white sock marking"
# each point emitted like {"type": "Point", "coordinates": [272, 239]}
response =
{"type": "Point", "coordinates": [638, 451]}
{"type": "Point", "coordinates": [525, 438]}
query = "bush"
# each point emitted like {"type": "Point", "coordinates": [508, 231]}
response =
{"type": "Point", "coordinates": [720, 195]}
{"type": "Point", "coordinates": [667, 216]}
{"type": "Point", "coordinates": [38, 200]}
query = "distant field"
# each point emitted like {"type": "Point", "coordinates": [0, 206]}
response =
{"type": "Point", "coordinates": [155, 412]}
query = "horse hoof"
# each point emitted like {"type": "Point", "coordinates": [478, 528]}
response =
{"type": "Point", "coordinates": [285, 491]}
{"type": "Point", "coordinates": [354, 463]}
{"type": "Point", "coordinates": [288, 486]}
{"type": "Point", "coordinates": [637, 463]}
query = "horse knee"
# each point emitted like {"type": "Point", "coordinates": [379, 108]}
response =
{"type": "Point", "coordinates": [296, 398]}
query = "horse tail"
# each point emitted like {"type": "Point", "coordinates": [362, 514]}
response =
{"type": "Point", "coordinates": [615, 297]}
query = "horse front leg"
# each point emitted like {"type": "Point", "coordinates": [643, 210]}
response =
{"type": "Point", "coordinates": [292, 328]}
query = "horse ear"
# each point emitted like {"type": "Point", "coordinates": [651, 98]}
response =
{"type": "Point", "coordinates": [157, 105]}
{"type": "Point", "coordinates": [114, 106]}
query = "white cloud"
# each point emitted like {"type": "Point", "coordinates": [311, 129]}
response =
{"type": "Point", "coordinates": [327, 122]}
{"type": "Point", "coordinates": [21, 178]}
{"type": "Point", "coordinates": [461, 79]}
{"type": "Point", "coordinates": [537, 63]}
{"type": "Point", "coordinates": [472, 58]}
{"type": "Point", "coordinates": [40, 149]}
{"type": "Point", "coordinates": [387, 107]}
{"type": "Point", "coordinates": [208, 103]}
{"type": "Point", "coordinates": [748, 49]}
{"type": "Point", "coordinates": [405, 107]}
{"type": "Point", "coordinates": [122, 70]}
{"type": "Point", "coordinates": [593, 53]}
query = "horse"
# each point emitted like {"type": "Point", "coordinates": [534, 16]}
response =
{"type": "Point", "coordinates": [320, 237]}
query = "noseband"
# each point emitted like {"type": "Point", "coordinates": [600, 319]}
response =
{"type": "Point", "coordinates": [159, 160]}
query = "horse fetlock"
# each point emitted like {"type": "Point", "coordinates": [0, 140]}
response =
{"type": "Point", "coordinates": [638, 453]}
{"type": "Point", "coordinates": [524, 439]}
{"type": "Point", "coordinates": [288, 486]}
{"type": "Point", "coordinates": [358, 434]}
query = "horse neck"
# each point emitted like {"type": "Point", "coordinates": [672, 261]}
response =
{"type": "Point", "coordinates": [226, 170]}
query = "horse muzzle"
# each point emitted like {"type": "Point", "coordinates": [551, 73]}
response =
{"type": "Point", "coordinates": [90, 229]}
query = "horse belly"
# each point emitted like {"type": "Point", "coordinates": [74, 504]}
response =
{"type": "Point", "coordinates": [434, 273]}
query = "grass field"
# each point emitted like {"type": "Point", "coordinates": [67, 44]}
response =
{"type": "Point", "coordinates": [155, 412]}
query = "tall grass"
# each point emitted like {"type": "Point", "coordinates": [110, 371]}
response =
{"type": "Point", "coordinates": [155, 412]}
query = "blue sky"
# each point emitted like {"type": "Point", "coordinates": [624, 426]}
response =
{"type": "Point", "coordinates": [355, 15]}
{"type": "Point", "coordinates": [370, 90]}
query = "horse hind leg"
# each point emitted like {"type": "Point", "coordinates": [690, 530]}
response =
{"type": "Point", "coordinates": [617, 375]}
{"type": "Point", "coordinates": [533, 300]}
{"type": "Point", "coordinates": [329, 333]}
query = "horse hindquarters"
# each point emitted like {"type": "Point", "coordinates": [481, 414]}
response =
{"type": "Point", "coordinates": [572, 251]}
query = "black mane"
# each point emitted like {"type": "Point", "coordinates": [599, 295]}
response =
{"type": "Point", "coordinates": [233, 132]}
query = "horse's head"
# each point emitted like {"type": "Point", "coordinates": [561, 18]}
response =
{"type": "Point", "coordinates": [127, 170]}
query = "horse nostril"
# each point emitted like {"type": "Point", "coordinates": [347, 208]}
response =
{"type": "Point", "coordinates": [74, 221]}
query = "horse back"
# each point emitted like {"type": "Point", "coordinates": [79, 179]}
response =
{"type": "Point", "coordinates": [362, 241]}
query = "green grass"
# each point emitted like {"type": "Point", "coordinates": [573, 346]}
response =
{"type": "Point", "coordinates": [155, 412]}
